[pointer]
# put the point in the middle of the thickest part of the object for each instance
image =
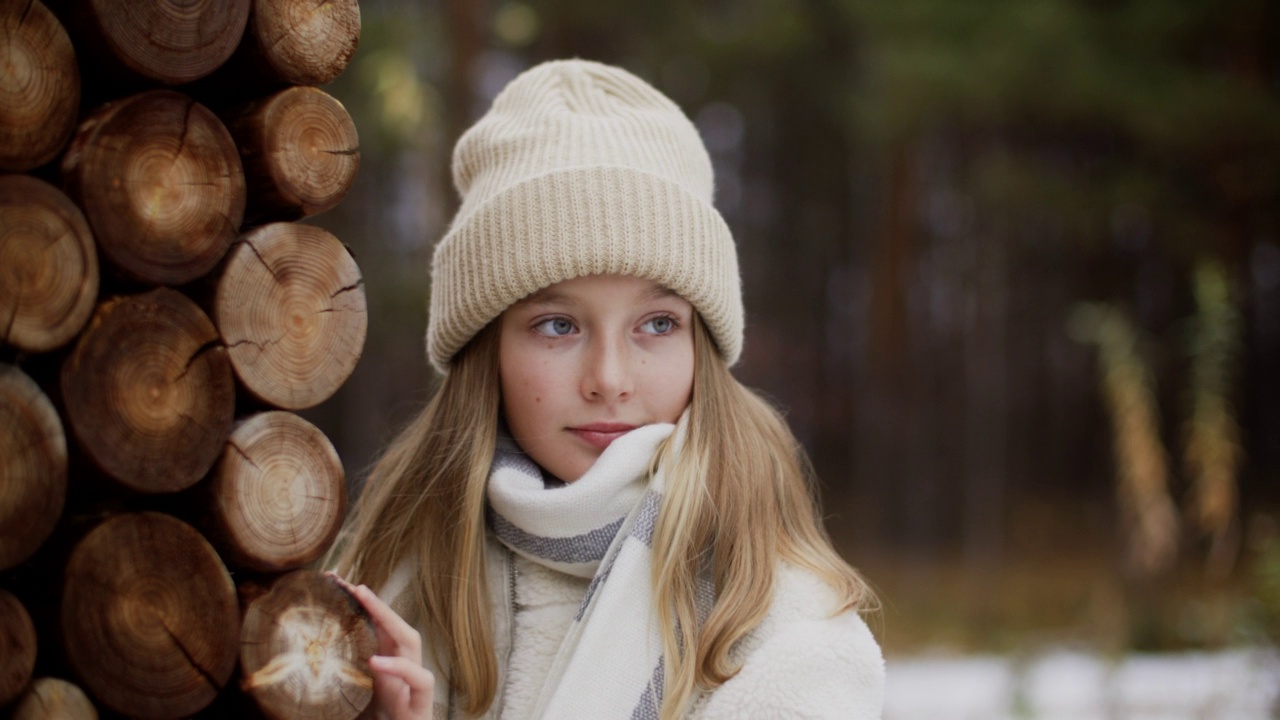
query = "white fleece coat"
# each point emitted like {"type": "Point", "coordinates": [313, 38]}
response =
{"type": "Point", "coordinates": [798, 663]}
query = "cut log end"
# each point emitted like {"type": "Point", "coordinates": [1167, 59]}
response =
{"type": "Point", "coordinates": [306, 42]}
{"type": "Point", "coordinates": [48, 265]}
{"type": "Point", "coordinates": [39, 86]}
{"type": "Point", "coordinates": [54, 699]}
{"type": "Point", "coordinates": [172, 41]}
{"type": "Point", "coordinates": [290, 305]}
{"type": "Point", "coordinates": [17, 647]}
{"type": "Point", "coordinates": [278, 493]}
{"type": "Point", "coordinates": [149, 392]}
{"type": "Point", "coordinates": [305, 649]}
{"type": "Point", "coordinates": [301, 153]}
{"type": "Point", "coordinates": [149, 616]}
{"type": "Point", "coordinates": [161, 183]}
{"type": "Point", "coordinates": [33, 467]}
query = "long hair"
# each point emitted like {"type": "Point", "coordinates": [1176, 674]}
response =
{"type": "Point", "coordinates": [425, 499]}
{"type": "Point", "coordinates": [739, 494]}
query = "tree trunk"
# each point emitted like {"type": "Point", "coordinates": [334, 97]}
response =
{"type": "Point", "coordinates": [33, 468]}
{"type": "Point", "coordinates": [278, 494]}
{"type": "Point", "coordinates": [39, 86]}
{"type": "Point", "coordinates": [48, 265]}
{"type": "Point", "coordinates": [148, 391]}
{"type": "Point", "coordinates": [149, 616]}
{"type": "Point", "coordinates": [170, 41]}
{"type": "Point", "coordinates": [290, 305]}
{"type": "Point", "coordinates": [160, 180]}
{"type": "Point", "coordinates": [17, 647]}
{"type": "Point", "coordinates": [300, 153]}
{"type": "Point", "coordinates": [305, 649]}
{"type": "Point", "coordinates": [54, 699]}
{"type": "Point", "coordinates": [305, 42]}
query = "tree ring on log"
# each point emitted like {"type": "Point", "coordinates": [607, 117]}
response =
{"type": "Point", "coordinates": [173, 41]}
{"type": "Point", "coordinates": [54, 699]}
{"type": "Point", "coordinates": [306, 42]}
{"type": "Point", "coordinates": [278, 493]}
{"type": "Point", "coordinates": [39, 86]}
{"type": "Point", "coordinates": [48, 265]}
{"type": "Point", "coordinates": [33, 467]}
{"type": "Point", "coordinates": [150, 616]}
{"type": "Point", "coordinates": [305, 649]}
{"type": "Point", "coordinates": [149, 392]}
{"type": "Point", "coordinates": [301, 153]}
{"type": "Point", "coordinates": [290, 305]}
{"type": "Point", "coordinates": [17, 647]}
{"type": "Point", "coordinates": [161, 183]}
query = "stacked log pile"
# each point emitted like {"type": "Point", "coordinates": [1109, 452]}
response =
{"type": "Point", "coordinates": [164, 314]}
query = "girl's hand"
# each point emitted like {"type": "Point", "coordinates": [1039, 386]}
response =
{"type": "Point", "coordinates": [402, 688]}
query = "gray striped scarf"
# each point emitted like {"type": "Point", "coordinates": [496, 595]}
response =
{"type": "Point", "coordinates": [599, 527]}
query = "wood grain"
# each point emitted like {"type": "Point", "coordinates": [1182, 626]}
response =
{"type": "Point", "coordinates": [290, 305]}
{"type": "Point", "coordinates": [48, 265]}
{"type": "Point", "coordinates": [33, 467]}
{"type": "Point", "coordinates": [149, 392]}
{"type": "Point", "coordinates": [149, 616]}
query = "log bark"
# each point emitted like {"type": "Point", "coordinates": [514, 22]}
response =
{"type": "Point", "coordinates": [33, 467]}
{"type": "Point", "coordinates": [300, 153]}
{"type": "Point", "coordinates": [48, 265]}
{"type": "Point", "coordinates": [305, 42]}
{"type": "Point", "coordinates": [277, 494]}
{"type": "Point", "coordinates": [54, 699]}
{"type": "Point", "coordinates": [160, 181]}
{"type": "Point", "coordinates": [39, 86]}
{"type": "Point", "coordinates": [149, 616]}
{"type": "Point", "coordinates": [170, 41]}
{"type": "Point", "coordinates": [305, 649]}
{"type": "Point", "coordinates": [17, 647]}
{"type": "Point", "coordinates": [148, 391]}
{"type": "Point", "coordinates": [290, 305]}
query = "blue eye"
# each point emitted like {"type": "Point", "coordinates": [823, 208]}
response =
{"type": "Point", "coordinates": [660, 325]}
{"type": "Point", "coordinates": [554, 327]}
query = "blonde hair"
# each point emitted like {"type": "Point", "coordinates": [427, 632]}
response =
{"type": "Point", "coordinates": [739, 494]}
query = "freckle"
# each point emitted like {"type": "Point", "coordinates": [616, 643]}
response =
{"type": "Point", "coordinates": [537, 399]}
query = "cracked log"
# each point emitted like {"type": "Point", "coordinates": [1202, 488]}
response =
{"type": "Point", "coordinates": [304, 42]}
{"type": "Point", "coordinates": [48, 265]}
{"type": "Point", "coordinates": [39, 86]}
{"type": "Point", "coordinates": [170, 41]}
{"type": "Point", "coordinates": [149, 616]}
{"type": "Point", "coordinates": [305, 649]}
{"type": "Point", "coordinates": [300, 153]}
{"type": "Point", "coordinates": [290, 306]}
{"type": "Point", "coordinates": [277, 494]}
{"type": "Point", "coordinates": [159, 179]}
{"type": "Point", "coordinates": [54, 699]}
{"type": "Point", "coordinates": [33, 468]}
{"type": "Point", "coordinates": [17, 647]}
{"type": "Point", "coordinates": [148, 391]}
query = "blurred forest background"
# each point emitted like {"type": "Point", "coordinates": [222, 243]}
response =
{"type": "Point", "coordinates": [1012, 268]}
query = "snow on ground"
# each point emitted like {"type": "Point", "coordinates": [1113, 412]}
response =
{"type": "Point", "coordinates": [1067, 685]}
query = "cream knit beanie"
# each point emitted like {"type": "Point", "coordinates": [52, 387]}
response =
{"type": "Point", "coordinates": [579, 169]}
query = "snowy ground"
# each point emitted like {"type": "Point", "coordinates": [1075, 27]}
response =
{"type": "Point", "coordinates": [1232, 685]}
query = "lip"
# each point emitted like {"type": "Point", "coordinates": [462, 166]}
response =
{"type": "Point", "coordinates": [601, 435]}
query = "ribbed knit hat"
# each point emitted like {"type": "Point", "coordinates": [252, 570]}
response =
{"type": "Point", "coordinates": [580, 169]}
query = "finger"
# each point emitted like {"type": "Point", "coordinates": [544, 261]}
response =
{"type": "Point", "coordinates": [402, 635]}
{"type": "Point", "coordinates": [419, 691]}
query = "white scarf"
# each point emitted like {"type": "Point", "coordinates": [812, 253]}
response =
{"type": "Point", "coordinates": [601, 526]}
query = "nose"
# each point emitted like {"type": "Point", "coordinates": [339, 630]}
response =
{"type": "Point", "coordinates": [607, 374]}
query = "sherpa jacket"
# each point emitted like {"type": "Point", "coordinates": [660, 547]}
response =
{"type": "Point", "coordinates": [798, 663]}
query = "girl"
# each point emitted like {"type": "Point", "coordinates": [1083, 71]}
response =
{"type": "Point", "coordinates": [592, 518]}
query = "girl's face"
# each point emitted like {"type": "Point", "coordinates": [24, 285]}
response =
{"type": "Point", "coordinates": [586, 360]}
